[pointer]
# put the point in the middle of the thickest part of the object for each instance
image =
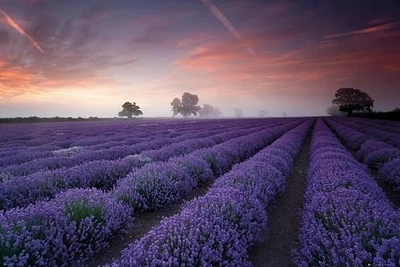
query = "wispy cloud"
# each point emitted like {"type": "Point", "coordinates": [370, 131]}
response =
{"type": "Point", "coordinates": [227, 24]}
{"type": "Point", "coordinates": [12, 23]}
{"type": "Point", "coordinates": [376, 29]}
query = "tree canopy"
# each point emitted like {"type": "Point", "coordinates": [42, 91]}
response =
{"type": "Point", "coordinates": [209, 111]}
{"type": "Point", "coordinates": [238, 113]}
{"type": "Point", "coordinates": [262, 113]}
{"type": "Point", "coordinates": [130, 109]}
{"type": "Point", "coordinates": [350, 99]}
{"type": "Point", "coordinates": [187, 107]}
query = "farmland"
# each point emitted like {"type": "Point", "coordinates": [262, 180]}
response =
{"type": "Point", "coordinates": [229, 192]}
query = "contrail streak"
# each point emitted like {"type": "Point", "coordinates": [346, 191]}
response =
{"type": "Point", "coordinates": [16, 27]}
{"type": "Point", "coordinates": [221, 17]}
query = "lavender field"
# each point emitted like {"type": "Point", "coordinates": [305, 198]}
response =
{"type": "Point", "coordinates": [220, 192]}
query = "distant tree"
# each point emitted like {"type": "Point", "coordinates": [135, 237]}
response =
{"type": "Point", "coordinates": [238, 113]}
{"type": "Point", "coordinates": [130, 109]}
{"type": "Point", "coordinates": [334, 111]}
{"type": "Point", "coordinates": [209, 111]}
{"type": "Point", "coordinates": [176, 106]}
{"type": "Point", "coordinates": [262, 113]}
{"type": "Point", "coordinates": [284, 114]}
{"type": "Point", "coordinates": [188, 106]}
{"type": "Point", "coordinates": [350, 99]}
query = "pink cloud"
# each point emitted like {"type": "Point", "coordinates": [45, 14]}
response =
{"type": "Point", "coordinates": [370, 30]}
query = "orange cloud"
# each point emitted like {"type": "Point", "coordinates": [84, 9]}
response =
{"type": "Point", "coordinates": [20, 82]}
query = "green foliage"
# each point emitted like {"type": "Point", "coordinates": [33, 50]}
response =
{"type": "Point", "coordinates": [80, 209]}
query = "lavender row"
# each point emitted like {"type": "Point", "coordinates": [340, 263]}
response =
{"type": "Point", "coordinates": [347, 220]}
{"type": "Point", "coordinates": [376, 154]}
{"type": "Point", "coordinates": [158, 184]}
{"type": "Point", "coordinates": [372, 129]}
{"type": "Point", "coordinates": [103, 174]}
{"type": "Point", "coordinates": [125, 142]}
{"type": "Point", "coordinates": [218, 228]}
{"type": "Point", "coordinates": [124, 133]}
{"type": "Point", "coordinates": [63, 232]}
{"type": "Point", "coordinates": [388, 126]}
{"type": "Point", "coordinates": [78, 155]}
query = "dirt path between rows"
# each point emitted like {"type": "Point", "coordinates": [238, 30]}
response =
{"type": "Point", "coordinates": [284, 217]}
{"type": "Point", "coordinates": [142, 224]}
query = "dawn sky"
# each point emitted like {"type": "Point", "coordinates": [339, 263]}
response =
{"type": "Point", "coordinates": [86, 58]}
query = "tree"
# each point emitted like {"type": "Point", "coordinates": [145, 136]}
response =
{"type": "Point", "coordinates": [238, 112]}
{"type": "Point", "coordinates": [188, 106]}
{"type": "Point", "coordinates": [129, 109]}
{"type": "Point", "coordinates": [209, 111]}
{"type": "Point", "coordinates": [350, 99]}
{"type": "Point", "coordinates": [262, 113]}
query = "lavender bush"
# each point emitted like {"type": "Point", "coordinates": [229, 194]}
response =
{"type": "Point", "coordinates": [218, 228]}
{"type": "Point", "coordinates": [62, 232]}
{"type": "Point", "coordinates": [347, 220]}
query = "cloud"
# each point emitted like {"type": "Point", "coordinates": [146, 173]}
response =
{"type": "Point", "coordinates": [370, 30]}
{"type": "Point", "coordinates": [13, 24]}
{"type": "Point", "coordinates": [74, 55]}
{"type": "Point", "coordinates": [307, 64]}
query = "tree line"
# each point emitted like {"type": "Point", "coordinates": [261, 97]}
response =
{"type": "Point", "coordinates": [186, 106]}
{"type": "Point", "coordinates": [346, 101]}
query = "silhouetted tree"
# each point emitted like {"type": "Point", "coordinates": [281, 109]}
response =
{"type": "Point", "coordinates": [262, 113]}
{"type": "Point", "coordinates": [188, 106]}
{"type": "Point", "coordinates": [350, 99]}
{"type": "Point", "coordinates": [238, 113]}
{"type": "Point", "coordinates": [284, 114]}
{"type": "Point", "coordinates": [129, 109]}
{"type": "Point", "coordinates": [209, 111]}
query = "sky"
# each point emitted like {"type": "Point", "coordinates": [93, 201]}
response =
{"type": "Point", "coordinates": [86, 58]}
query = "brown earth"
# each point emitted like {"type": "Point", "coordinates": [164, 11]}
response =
{"type": "Point", "coordinates": [284, 218]}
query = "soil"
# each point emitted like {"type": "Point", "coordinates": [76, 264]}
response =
{"type": "Point", "coordinates": [142, 224]}
{"type": "Point", "coordinates": [284, 218]}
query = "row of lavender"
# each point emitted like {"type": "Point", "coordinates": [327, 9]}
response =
{"type": "Point", "coordinates": [159, 184]}
{"type": "Point", "coordinates": [21, 191]}
{"type": "Point", "coordinates": [376, 154]}
{"type": "Point", "coordinates": [79, 222]}
{"type": "Point", "coordinates": [40, 140]}
{"type": "Point", "coordinates": [218, 228]}
{"type": "Point", "coordinates": [390, 135]}
{"type": "Point", "coordinates": [77, 141]}
{"type": "Point", "coordinates": [25, 136]}
{"type": "Point", "coordinates": [347, 220]}
{"type": "Point", "coordinates": [77, 155]}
